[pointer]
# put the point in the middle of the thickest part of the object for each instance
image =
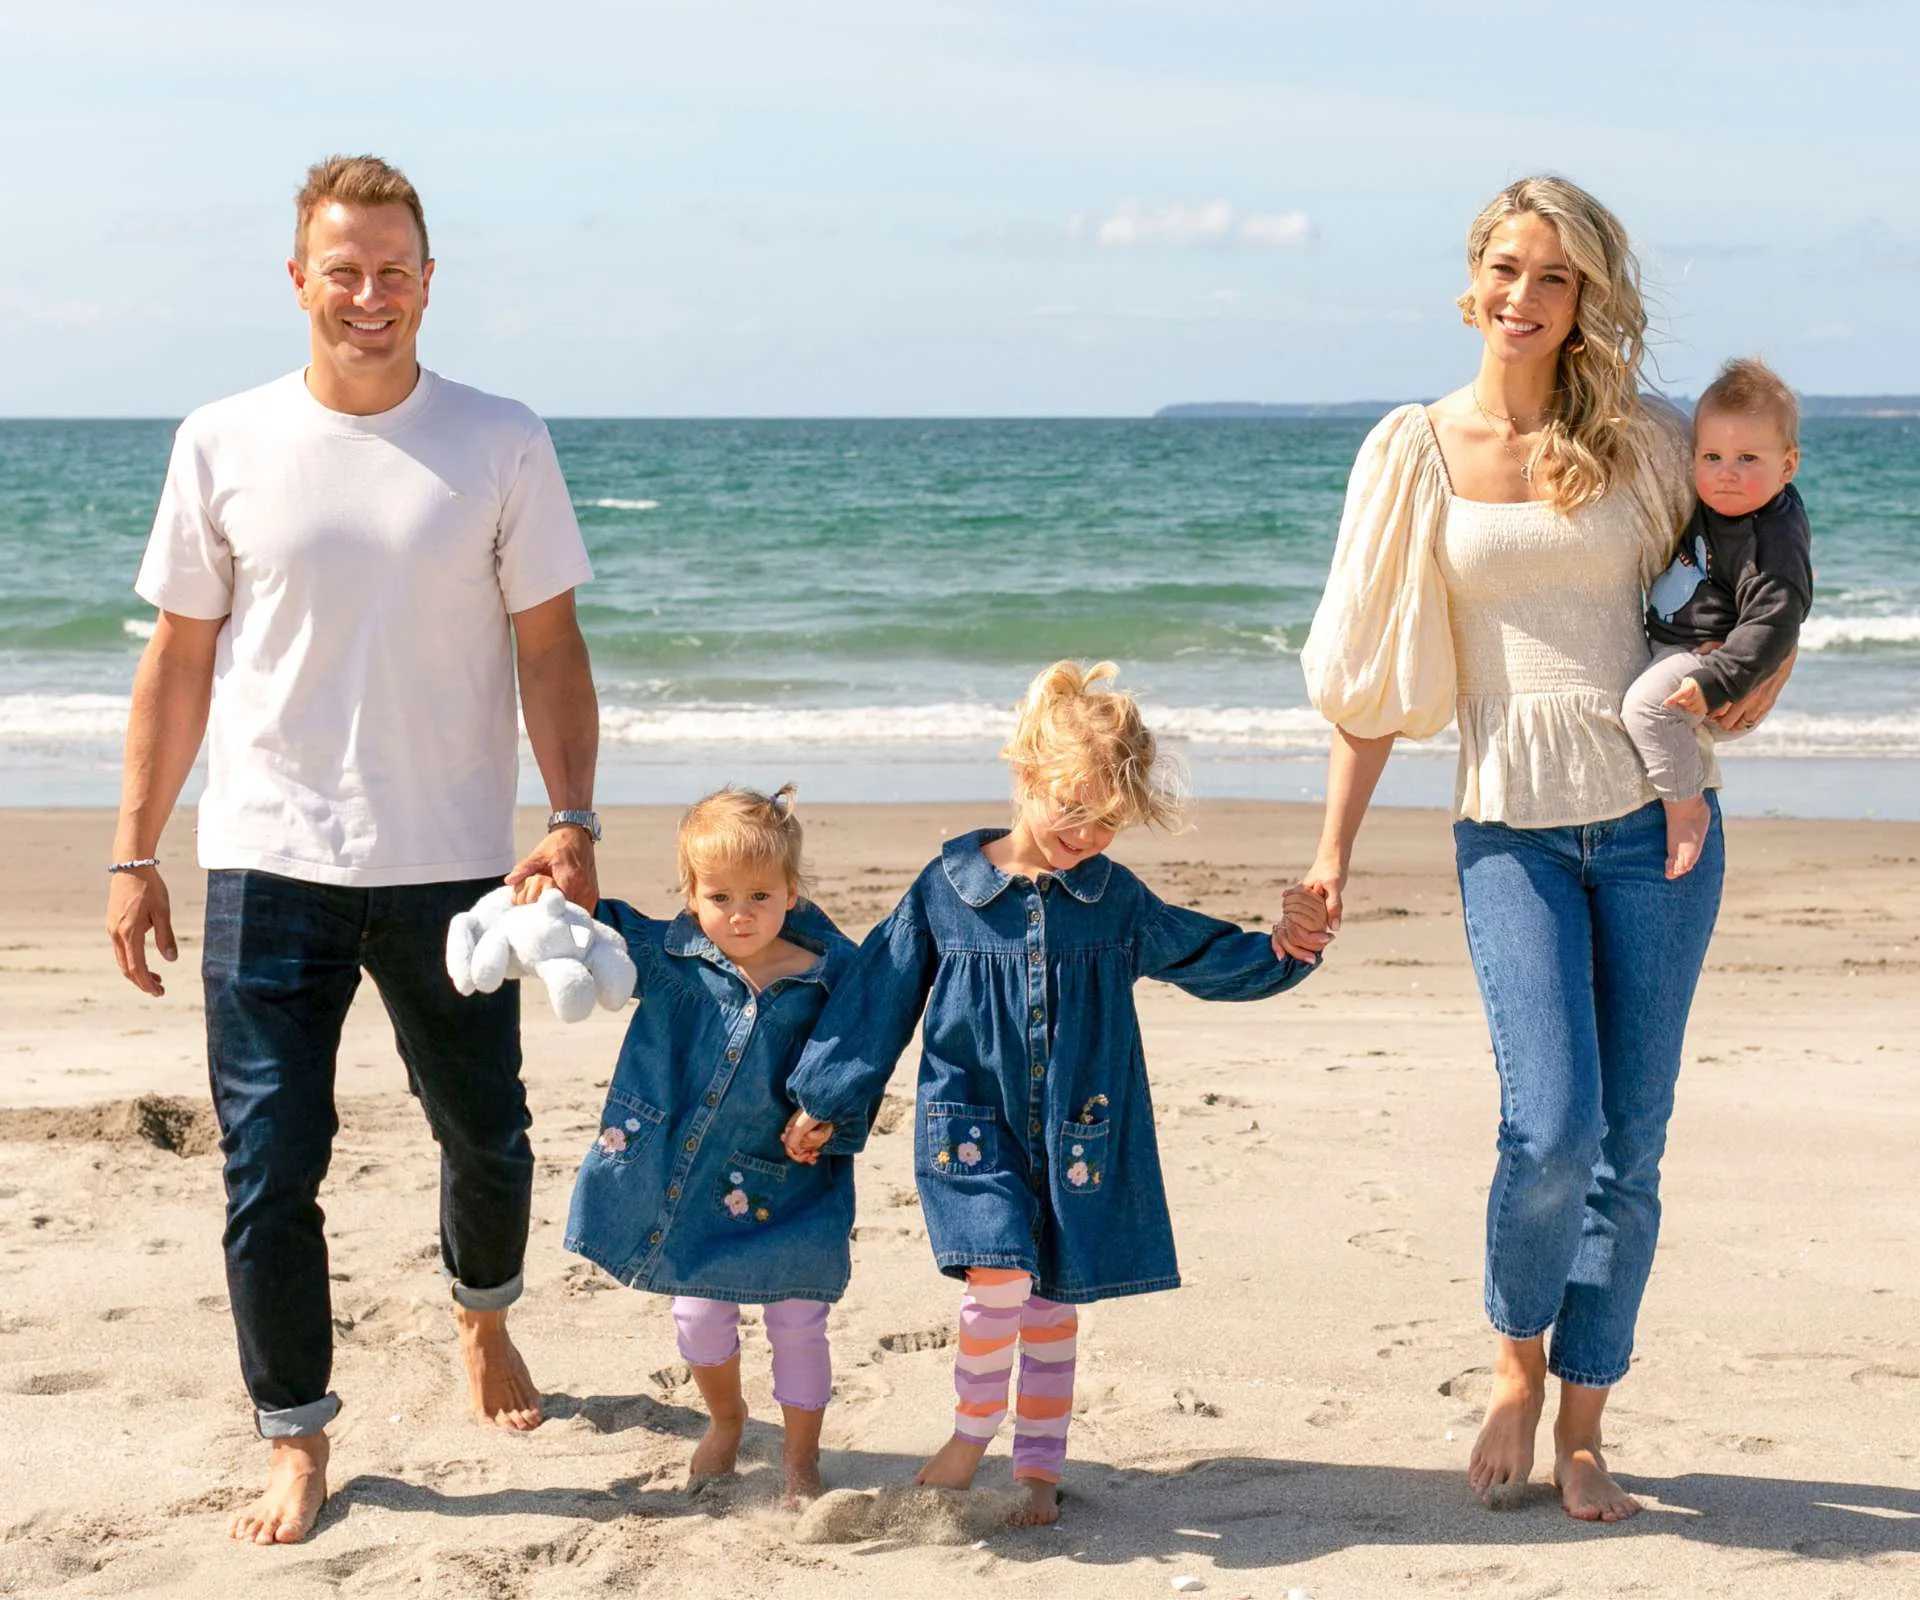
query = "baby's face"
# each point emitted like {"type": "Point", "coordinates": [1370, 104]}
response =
{"type": "Point", "coordinates": [1741, 460]}
{"type": "Point", "coordinates": [743, 909]}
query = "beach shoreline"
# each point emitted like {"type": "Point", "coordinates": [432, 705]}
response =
{"type": "Point", "coordinates": [1297, 1415]}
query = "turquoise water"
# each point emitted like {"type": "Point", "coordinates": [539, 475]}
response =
{"type": "Point", "coordinates": [857, 603]}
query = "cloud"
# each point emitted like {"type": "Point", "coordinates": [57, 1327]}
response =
{"type": "Point", "coordinates": [1211, 222]}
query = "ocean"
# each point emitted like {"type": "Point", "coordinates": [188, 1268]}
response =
{"type": "Point", "coordinates": [856, 604]}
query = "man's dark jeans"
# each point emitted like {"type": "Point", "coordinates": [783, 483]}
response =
{"type": "Point", "coordinates": [283, 959]}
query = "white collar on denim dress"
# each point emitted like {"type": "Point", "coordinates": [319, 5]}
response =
{"type": "Point", "coordinates": [978, 881]}
{"type": "Point", "coordinates": [684, 938]}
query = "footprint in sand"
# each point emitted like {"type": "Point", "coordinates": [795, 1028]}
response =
{"type": "Point", "coordinates": [1385, 1242]}
{"type": "Point", "coordinates": [1373, 1192]}
{"type": "Point", "coordinates": [1190, 1404]}
{"type": "Point", "coordinates": [907, 1344]}
{"type": "Point", "coordinates": [48, 1383]}
{"type": "Point", "coordinates": [676, 1376]}
{"type": "Point", "coordinates": [1330, 1413]}
{"type": "Point", "coordinates": [1474, 1386]}
{"type": "Point", "coordinates": [1893, 1380]}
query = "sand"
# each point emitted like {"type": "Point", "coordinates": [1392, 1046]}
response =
{"type": "Point", "coordinates": [1296, 1418]}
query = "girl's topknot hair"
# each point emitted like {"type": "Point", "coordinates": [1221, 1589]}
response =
{"type": "Point", "coordinates": [740, 828]}
{"type": "Point", "coordinates": [1083, 742]}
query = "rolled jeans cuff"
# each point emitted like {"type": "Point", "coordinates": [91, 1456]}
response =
{"type": "Point", "coordinates": [297, 1422]}
{"type": "Point", "coordinates": [496, 1299]}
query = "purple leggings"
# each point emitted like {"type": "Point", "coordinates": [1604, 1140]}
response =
{"type": "Point", "coordinates": [709, 1333]}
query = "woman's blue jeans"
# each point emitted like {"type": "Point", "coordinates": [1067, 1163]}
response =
{"type": "Point", "coordinates": [1587, 958]}
{"type": "Point", "coordinates": [283, 959]}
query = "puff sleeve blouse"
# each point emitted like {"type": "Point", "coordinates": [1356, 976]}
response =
{"type": "Point", "coordinates": [1518, 622]}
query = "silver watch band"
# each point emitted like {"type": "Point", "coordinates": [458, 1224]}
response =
{"type": "Point", "coordinates": [588, 820]}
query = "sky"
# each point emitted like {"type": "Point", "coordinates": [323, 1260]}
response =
{"type": "Point", "coordinates": [896, 208]}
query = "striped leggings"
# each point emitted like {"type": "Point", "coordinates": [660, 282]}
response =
{"type": "Point", "coordinates": [997, 1309]}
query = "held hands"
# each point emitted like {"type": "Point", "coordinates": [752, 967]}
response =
{"type": "Point", "coordinates": [1309, 917]}
{"type": "Point", "coordinates": [1689, 697]}
{"type": "Point", "coordinates": [803, 1138]}
{"type": "Point", "coordinates": [565, 857]}
{"type": "Point", "coordinates": [137, 903]}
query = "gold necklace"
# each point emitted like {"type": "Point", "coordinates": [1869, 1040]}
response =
{"type": "Point", "coordinates": [1524, 463]}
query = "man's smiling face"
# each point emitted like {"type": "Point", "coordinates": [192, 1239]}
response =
{"type": "Point", "coordinates": [364, 287]}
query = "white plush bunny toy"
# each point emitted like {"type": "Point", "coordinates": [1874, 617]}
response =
{"type": "Point", "coordinates": [577, 958]}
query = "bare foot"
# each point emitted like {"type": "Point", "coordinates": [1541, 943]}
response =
{"type": "Point", "coordinates": [296, 1489]}
{"type": "Point", "coordinates": [1687, 822]}
{"type": "Point", "coordinates": [800, 1454]}
{"type": "Point", "coordinates": [1039, 1503]}
{"type": "Point", "coordinates": [1587, 1489]}
{"type": "Point", "coordinates": [804, 1484]}
{"type": "Point", "coordinates": [719, 1448]}
{"type": "Point", "coordinates": [953, 1465]}
{"type": "Point", "coordinates": [1503, 1454]}
{"type": "Point", "coordinates": [498, 1382]}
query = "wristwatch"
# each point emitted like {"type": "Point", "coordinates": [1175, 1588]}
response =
{"type": "Point", "coordinates": [590, 820]}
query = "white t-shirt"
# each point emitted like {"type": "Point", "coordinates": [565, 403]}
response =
{"type": "Point", "coordinates": [363, 727]}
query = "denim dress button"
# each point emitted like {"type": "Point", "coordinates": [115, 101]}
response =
{"type": "Point", "coordinates": [1037, 1013]}
{"type": "Point", "coordinates": [673, 1191]}
{"type": "Point", "coordinates": [691, 1145]}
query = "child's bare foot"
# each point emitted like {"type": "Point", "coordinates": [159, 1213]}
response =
{"type": "Point", "coordinates": [285, 1511]}
{"type": "Point", "coordinates": [718, 1451]}
{"type": "Point", "coordinates": [1687, 822]}
{"type": "Point", "coordinates": [1503, 1454]}
{"type": "Point", "coordinates": [804, 1484]}
{"type": "Point", "coordinates": [1039, 1503]}
{"type": "Point", "coordinates": [498, 1383]}
{"type": "Point", "coordinates": [953, 1465]}
{"type": "Point", "coordinates": [1587, 1489]}
{"type": "Point", "coordinates": [800, 1455]}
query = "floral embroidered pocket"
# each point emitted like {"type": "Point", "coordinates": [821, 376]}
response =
{"type": "Point", "coordinates": [625, 1127]}
{"type": "Point", "coordinates": [749, 1187]}
{"type": "Point", "coordinates": [962, 1140]}
{"type": "Point", "coordinates": [1081, 1160]}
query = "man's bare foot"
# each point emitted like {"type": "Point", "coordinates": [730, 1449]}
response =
{"type": "Point", "coordinates": [953, 1465]}
{"type": "Point", "coordinates": [498, 1382]}
{"type": "Point", "coordinates": [1687, 823]}
{"type": "Point", "coordinates": [1039, 1503]}
{"type": "Point", "coordinates": [718, 1451]}
{"type": "Point", "coordinates": [285, 1511]}
{"type": "Point", "coordinates": [1587, 1489]}
{"type": "Point", "coordinates": [1503, 1454]}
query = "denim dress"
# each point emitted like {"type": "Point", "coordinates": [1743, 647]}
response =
{"type": "Point", "coordinates": [1033, 1130]}
{"type": "Point", "coordinates": [686, 1189]}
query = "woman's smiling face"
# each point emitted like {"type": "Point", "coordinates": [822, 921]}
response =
{"type": "Point", "coordinates": [1526, 294]}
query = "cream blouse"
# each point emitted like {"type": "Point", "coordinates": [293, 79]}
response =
{"type": "Point", "coordinates": [1521, 624]}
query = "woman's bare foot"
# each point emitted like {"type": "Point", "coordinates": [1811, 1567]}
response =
{"type": "Point", "coordinates": [1039, 1503]}
{"type": "Point", "coordinates": [1503, 1454]}
{"type": "Point", "coordinates": [285, 1511]}
{"type": "Point", "coordinates": [953, 1465]}
{"type": "Point", "coordinates": [1687, 824]}
{"type": "Point", "coordinates": [1587, 1489]}
{"type": "Point", "coordinates": [498, 1382]}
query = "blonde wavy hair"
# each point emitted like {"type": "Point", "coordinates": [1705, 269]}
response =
{"type": "Point", "coordinates": [1596, 429]}
{"type": "Point", "coordinates": [1080, 740]}
{"type": "Point", "coordinates": [740, 828]}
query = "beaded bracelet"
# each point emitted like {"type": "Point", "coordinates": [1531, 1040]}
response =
{"type": "Point", "coordinates": [134, 866]}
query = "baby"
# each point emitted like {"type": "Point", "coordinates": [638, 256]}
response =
{"type": "Point", "coordinates": [1726, 615]}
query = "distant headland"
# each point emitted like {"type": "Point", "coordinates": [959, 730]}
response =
{"type": "Point", "coordinates": [1811, 405]}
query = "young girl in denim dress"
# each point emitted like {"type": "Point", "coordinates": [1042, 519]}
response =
{"type": "Point", "coordinates": [685, 1190]}
{"type": "Point", "coordinates": [1034, 1146]}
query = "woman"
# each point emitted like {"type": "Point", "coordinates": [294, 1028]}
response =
{"type": "Point", "coordinates": [1491, 563]}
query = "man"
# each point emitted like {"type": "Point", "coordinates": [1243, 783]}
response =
{"type": "Point", "coordinates": [349, 564]}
